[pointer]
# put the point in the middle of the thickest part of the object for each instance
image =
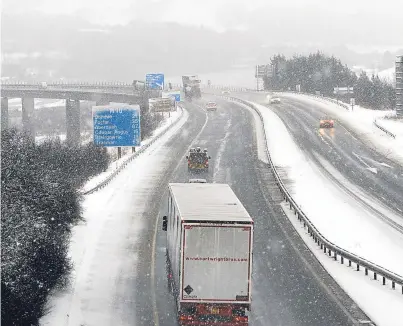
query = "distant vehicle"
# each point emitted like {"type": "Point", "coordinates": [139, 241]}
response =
{"type": "Point", "coordinates": [198, 160]}
{"type": "Point", "coordinates": [197, 181]}
{"type": "Point", "coordinates": [191, 87]}
{"type": "Point", "coordinates": [225, 93]}
{"type": "Point", "coordinates": [275, 100]}
{"type": "Point", "coordinates": [326, 123]}
{"type": "Point", "coordinates": [43, 85]}
{"type": "Point", "coordinates": [211, 106]}
{"type": "Point", "coordinates": [209, 254]}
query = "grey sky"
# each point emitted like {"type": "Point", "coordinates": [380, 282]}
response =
{"type": "Point", "coordinates": [235, 33]}
{"type": "Point", "coordinates": [221, 14]}
{"type": "Point", "coordinates": [366, 23]}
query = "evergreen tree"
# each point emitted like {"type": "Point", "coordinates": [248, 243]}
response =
{"type": "Point", "coordinates": [318, 72]}
{"type": "Point", "coordinates": [39, 206]}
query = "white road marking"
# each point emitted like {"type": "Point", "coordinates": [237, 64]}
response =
{"type": "Point", "coordinates": [221, 150]}
{"type": "Point", "coordinates": [373, 170]}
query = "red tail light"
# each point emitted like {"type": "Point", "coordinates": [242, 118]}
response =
{"type": "Point", "coordinates": [241, 319]}
{"type": "Point", "coordinates": [186, 317]}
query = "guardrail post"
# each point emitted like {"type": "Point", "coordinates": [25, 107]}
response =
{"type": "Point", "coordinates": [366, 271]}
{"type": "Point", "coordinates": [375, 276]}
{"type": "Point", "coordinates": [335, 255]}
{"type": "Point", "coordinates": [342, 259]}
{"type": "Point", "coordinates": [330, 252]}
{"type": "Point", "coordinates": [349, 263]}
{"type": "Point", "coordinates": [394, 285]}
{"type": "Point", "coordinates": [383, 280]}
{"type": "Point", "coordinates": [358, 267]}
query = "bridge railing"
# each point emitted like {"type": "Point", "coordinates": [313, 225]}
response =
{"type": "Point", "coordinates": [63, 84]}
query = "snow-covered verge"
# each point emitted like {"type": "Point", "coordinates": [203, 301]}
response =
{"type": "Point", "coordinates": [116, 166]}
{"type": "Point", "coordinates": [393, 126]}
{"type": "Point", "coordinates": [104, 249]}
{"type": "Point", "coordinates": [361, 121]}
{"type": "Point", "coordinates": [351, 226]}
{"type": "Point", "coordinates": [382, 304]}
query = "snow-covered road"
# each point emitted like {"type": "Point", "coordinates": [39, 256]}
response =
{"type": "Point", "coordinates": [338, 216]}
{"type": "Point", "coordinates": [103, 248]}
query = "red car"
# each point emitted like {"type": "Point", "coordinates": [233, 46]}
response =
{"type": "Point", "coordinates": [326, 123]}
{"type": "Point", "coordinates": [211, 106]}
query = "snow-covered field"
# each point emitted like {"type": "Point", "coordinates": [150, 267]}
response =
{"type": "Point", "coordinates": [313, 191]}
{"type": "Point", "coordinates": [361, 120]}
{"type": "Point", "coordinates": [93, 182]}
{"type": "Point", "coordinates": [86, 137]}
{"type": "Point", "coordinates": [39, 103]}
{"type": "Point", "coordinates": [102, 247]}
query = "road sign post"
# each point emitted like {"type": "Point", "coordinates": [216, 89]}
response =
{"type": "Point", "coordinates": [352, 102]}
{"type": "Point", "coordinates": [116, 125]}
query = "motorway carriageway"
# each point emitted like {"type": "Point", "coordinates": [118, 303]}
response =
{"type": "Point", "coordinates": [120, 274]}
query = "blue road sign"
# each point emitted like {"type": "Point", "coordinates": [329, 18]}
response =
{"type": "Point", "coordinates": [176, 95]}
{"type": "Point", "coordinates": [116, 126]}
{"type": "Point", "coordinates": [155, 81]}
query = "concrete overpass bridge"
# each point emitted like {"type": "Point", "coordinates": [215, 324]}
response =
{"type": "Point", "coordinates": [73, 93]}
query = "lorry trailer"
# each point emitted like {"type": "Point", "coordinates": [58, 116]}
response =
{"type": "Point", "coordinates": [209, 254]}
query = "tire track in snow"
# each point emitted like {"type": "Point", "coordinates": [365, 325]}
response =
{"type": "Point", "coordinates": [221, 149]}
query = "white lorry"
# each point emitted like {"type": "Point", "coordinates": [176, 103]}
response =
{"type": "Point", "coordinates": [209, 254]}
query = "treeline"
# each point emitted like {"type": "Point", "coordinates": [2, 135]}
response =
{"type": "Point", "coordinates": [40, 204]}
{"type": "Point", "coordinates": [321, 73]}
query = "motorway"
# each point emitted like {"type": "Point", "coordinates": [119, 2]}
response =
{"type": "Point", "coordinates": [119, 252]}
{"type": "Point", "coordinates": [289, 286]}
{"type": "Point", "coordinates": [377, 176]}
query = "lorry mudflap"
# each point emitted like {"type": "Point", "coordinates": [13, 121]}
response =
{"type": "Point", "coordinates": [213, 314]}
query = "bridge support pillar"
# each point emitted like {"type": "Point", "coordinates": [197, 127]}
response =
{"type": "Point", "coordinates": [4, 113]}
{"type": "Point", "coordinates": [28, 115]}
{"type": "Point", "coordinates": [73, 126]}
